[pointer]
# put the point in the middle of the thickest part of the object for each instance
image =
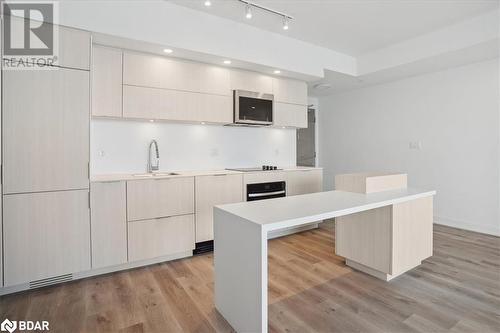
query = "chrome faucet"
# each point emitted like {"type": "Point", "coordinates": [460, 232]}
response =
{"type": "Point", "coordinates": [153, 167]}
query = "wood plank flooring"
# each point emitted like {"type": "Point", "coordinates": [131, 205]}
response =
{"type": "Point", "coordinates": [310, 290]}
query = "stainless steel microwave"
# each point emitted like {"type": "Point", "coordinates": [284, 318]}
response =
{"type": "Point", "coordinates": [251, 108]}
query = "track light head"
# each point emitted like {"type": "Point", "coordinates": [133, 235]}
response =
{"type": "Point", "coordinates": [285, 23]}
{"type": "Point", "coordinates": [248, 12]}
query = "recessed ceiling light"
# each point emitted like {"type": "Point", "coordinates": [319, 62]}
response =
{"type": "Point", "coordinates": [203, 123]}
{"type": "Point", "coordinates": [277, 71]}
{"type": "Point", "coordinates": [208, 3]}
{"type": "Point", "coordinates": [227, 62]}
{"type": "Point", "coordinates": [151, 120]}
{"type": "Point", "coordinates": [168, 50]}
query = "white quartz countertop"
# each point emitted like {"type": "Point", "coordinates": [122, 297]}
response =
{"type": "Point", "coordinates": [280, 213]}
{"type": "Point", "coordinates": [182, 173]}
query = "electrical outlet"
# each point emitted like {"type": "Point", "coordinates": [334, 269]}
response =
{"type": "Point", "coordinates": [416, 145]}
{"type": "Point", "coordinates": [101, 153]}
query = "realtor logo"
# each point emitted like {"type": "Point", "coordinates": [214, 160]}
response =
{"type": "Point", "coordinates": [8, 326]}
{"type": "Point", "coordinates": [24, 325]}
{"type": "Point", "coordinates": [30, 34]}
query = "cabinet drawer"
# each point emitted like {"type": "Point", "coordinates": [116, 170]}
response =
{"type": "Point", "coordinates": [160, 237]}
{"type": "Point", "coordinates": [154, 198]}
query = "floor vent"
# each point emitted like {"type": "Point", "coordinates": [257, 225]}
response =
{"type": "Point", "coordinates": [51, 281]}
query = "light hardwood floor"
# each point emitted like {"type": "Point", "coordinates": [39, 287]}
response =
{"type": "Point", "coordinates": [310, 290]}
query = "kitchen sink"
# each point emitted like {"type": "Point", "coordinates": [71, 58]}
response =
{"type": "Point", "coordinates": [157, 174]}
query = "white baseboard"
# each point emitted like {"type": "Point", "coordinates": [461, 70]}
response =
{"type": "Point", "coordinates": [467, 226]}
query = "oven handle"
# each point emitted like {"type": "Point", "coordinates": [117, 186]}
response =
{"type": "Point", "coordinates": [256, 195]}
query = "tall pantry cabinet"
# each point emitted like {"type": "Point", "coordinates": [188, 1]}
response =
{"type": "Point", "coordinates": [45, 166]}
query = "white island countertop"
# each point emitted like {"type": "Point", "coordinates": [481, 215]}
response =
{"type": "Point", "coordinates": [274, 214]}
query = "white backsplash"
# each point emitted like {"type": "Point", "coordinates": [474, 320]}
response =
{"type": "Point", "coordinates": [121, 146]}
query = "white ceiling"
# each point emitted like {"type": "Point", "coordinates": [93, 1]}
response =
{"type": "Point", "coordinates": [353, 27]}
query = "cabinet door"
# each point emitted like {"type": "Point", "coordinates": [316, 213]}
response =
{"type": "Point", "coordinates": [290, 91]}
{"type": "Point", "coordinates": [155, 198]}
{"type": "Point", "coordinates": [304, 181]}
{"type": "Point", "coordinates": [74, 48]}
{"type": "Point", "coordinates": [211, 191]}
{"type": "Point", "coordinates": [251, 81]}
{"type": "Point", "coordinates": [73, 45]}
{"type": "Point", "coordinates": [164, 104]}
{"type": "Point", "coordinates": [108, 221]}
{"type": "Point", "coordinates": [46, 235]}
{"type": "Point", "coordinates": [290, 115]}
{"type": "Point", "coordinates": [160, 237]}
{"type": "Point", "coordinates": [45, 130]}
{"type": "Point", "coordinates": [160, 72]}
{"type": "Point", "coordinates": [106, 82]}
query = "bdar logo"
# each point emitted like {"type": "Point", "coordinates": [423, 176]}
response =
{"type": "Point", "coordinates": [8, 325]}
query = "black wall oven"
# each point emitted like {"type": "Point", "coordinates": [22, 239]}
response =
{"type": "Point", "coordinates": [263, 191]}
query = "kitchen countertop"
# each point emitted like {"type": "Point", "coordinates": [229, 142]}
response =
{"type": "Point", "coordinates": [184, 173]}
{"type": "Point", "coordinates": [278, 213]}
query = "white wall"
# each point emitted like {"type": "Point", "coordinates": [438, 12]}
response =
{"type": "Point", "coordinates": [455, 116]}
{"type": "Point", "coordinates": [187, 147]}
{"type": "Point", "coordinates": [164, 23]}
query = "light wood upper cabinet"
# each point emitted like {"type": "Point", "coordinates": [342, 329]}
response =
{"type": "Point", "coordinates": [108, 222]}
{"type": "Point", "coordinates": [290, 115]}
{"type": "Point", "coordinates": [74, 48]}
{"type": "Point", "coordinates": [290, 91]}
{"type": "Point", "coordinates": [45, 130]}
{"type": "Point", "coordinates": [166, 73]}
{"type": "Point", "coordinates": [304, 181]}
{"type": "Point", "coordinates": [251, 81]}
{"type": "Point", "coordinates": [106, 82]}
{"type": "Point", "coordinates": [73, 45]}
{"type": "Point", "coordinates": [160, 237]}
{"type": "Point", "coordinates": [155, 198]}
{"type": "Point", "coordinates": [211, 191]}
{"type": "Point", "coordinates": [163, 104]}
{"type": "Point", "coordinates": [46, 235]}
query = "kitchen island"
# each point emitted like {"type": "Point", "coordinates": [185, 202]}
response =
{"type": "Point", "coordinates": [385, 234]}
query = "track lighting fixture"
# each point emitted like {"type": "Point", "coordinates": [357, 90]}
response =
{"type": "Point", "coordinates": [249, 6]}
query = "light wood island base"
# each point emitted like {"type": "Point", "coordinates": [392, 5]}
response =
{"type": "Point", "coordinates": [388, 241]}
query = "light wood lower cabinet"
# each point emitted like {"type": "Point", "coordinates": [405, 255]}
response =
{"type": "Point", "coordinates": [108, 223]}
{"type": "Point", "coordinates": [290, 115]}
{"type": "Point", "coordinates": [160, 237]}
{"type": "Point", "coordinates": [163, 104]}
{"type": "Point", "coordinates": [211, 191]}
{"type": "Point", "coordinates": [45, 235]}
{"type": "Point", "coordinates": [154, 198]}
{"type": "Point", "coordinates": [304, 181]}
{"type": "Point", "coordinates": [45, 130]}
